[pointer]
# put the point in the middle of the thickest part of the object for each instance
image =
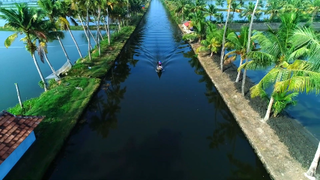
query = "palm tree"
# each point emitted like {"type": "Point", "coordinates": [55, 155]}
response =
{"type": "Point", "coordinates": [65, 11]}
{"type": "Point", "coordinates": [224, 35]}
{"type": "Point", "coordinates": [273, 9]}
{"type": "Point", "coordinates": [219, 2]}
{"type": "Point", "coordinates": [51, 34]}
{"type": "Point", "coordinates": [313, 8]}
{"type": "Point", "coordinates": [248, 45]}
{"type": "Point", "coordinates": [213, 39]}
{"type": "Point", "coordinates": [49, 7]}
{"type": "Point", "coordinates": [198, 23]}
{"type": "Point", "coordinates": [83, 7]}
{"type": "Point", "coordinates": [239, 45]}
{"type": "Point", "coordinates": [211, 10]}
{"type": "Point", "coordinates": [27, 21]}
{"type": "Point", "coordinates": [248, 11]}
{"type": "Point", "coordinates": [275, 51]}
{"type": "Point", "coordinates": [180, 7]}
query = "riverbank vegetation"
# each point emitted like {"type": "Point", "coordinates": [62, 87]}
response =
{"type": "Point", "coordinates": [69, 92]}
{"type": "Point", "coordinates": [289, 54]}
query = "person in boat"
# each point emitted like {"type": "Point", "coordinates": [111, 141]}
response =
{"type": "Point", "coordinates": [159, 66]}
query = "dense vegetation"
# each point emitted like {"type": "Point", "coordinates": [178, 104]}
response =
{"type": "Point", "coordinates": [67, 95]}
{"type": "Point", "coordinates": [289, 54]}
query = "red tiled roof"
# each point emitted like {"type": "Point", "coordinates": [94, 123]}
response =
{"type": "Point", "coordinates": [14, 130]}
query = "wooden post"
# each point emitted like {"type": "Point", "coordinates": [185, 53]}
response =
{"type": "Point", "coordinates": [18, 93]}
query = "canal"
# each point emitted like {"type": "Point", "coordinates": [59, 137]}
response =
{"type": "Point", "coordinates": [143, 125]}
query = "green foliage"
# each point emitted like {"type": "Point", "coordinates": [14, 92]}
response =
{"type": "Point", "coordinates": [41, 84]}
{"type": "Point", "coordinates": [283, 100]}
{"type": "Point", "coordinates": [190, 37]}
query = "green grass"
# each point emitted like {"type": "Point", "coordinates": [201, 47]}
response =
{"type": "Point", "coordinates": [62, 106]}
{"type": "Point", "coordinates": [100, 65]}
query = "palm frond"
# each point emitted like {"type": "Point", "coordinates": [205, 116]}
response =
{"type": "Point", "coordinates": [10, 40]}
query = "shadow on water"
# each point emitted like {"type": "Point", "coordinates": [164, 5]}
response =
{"type": "Point", "coordinates": [227, 132]}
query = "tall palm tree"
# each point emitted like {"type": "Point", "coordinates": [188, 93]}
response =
{"type": "Point", "coordinates": [27, 21]}
{"type": "Point", "coordinates": [83, 7]}
{"type": "Point", "coordinates": [239, 45]}
{"type": "Point", "coordinates": [219, 2]}
{"type": "Point", "coordinates": [211, 10]}
{"type": "Point", "coordinates": [224, 35]}
{"type": "Point", "coordinates": [65, 11]}
{"type": "Point", "coordinates": [49, 7]}
{"type": "Point", "coordinates": [273, 9]}
{"type": "Point", "coordinates": [281, 51]}
{"type": "Point", "coordinates": [248, 45]}
{"type": "Point", "coordinates": [247, 12]}
{"type": "Point", "coordinates": [51, 34]}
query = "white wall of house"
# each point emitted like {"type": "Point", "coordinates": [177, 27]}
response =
{"type": "Point", "coordinates": [14, 157]}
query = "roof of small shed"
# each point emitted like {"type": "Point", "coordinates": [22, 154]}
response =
{"type": "Point", "coordinates": [14, 130]}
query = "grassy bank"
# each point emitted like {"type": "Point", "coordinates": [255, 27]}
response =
{"type": "Point", "coordinates": [64, 103]}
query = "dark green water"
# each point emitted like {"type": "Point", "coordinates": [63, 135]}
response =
{"type": "Point", "coordinates": [146, 126]}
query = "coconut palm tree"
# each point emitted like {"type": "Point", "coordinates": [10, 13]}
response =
{"type": "Point", "coordinates": [219, 2]}
{"type": "Point", "coordinates": [313, 8]}
{"type": "Point", "coordinates": [248, 11]}
{"type": "Point", "coordinates": [52, 12]}
{"type": "Point", "coordinates": [213, 39]}
{"type": "Point", "coordinates": [238, 44]}
{"type": "Point", "coordinates": [64, 9]}
{"type": "Point", "coordinates": [280, 50]}
{"type": "Point", "coordinates": [211, 10]}
{"type": "Point", "coordinates": [180, 7]}
{"type": "Point", "coordinates": [224, 35]}
{"type": "Point", "coordinates": [273, 9]}
{"type": "Point", "coordinates": [248, 46]}
{"type": "Point", "coordinates": [199, 24]}
{"type": "Point", "coordinates": [51, 34]}
{"type": "Point", "coordinates": [83, 7]}
{"type": "Point", "coordinates": [27, 21]}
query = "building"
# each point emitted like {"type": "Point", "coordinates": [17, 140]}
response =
{"type": "Point", "coordinates": [16, 136]}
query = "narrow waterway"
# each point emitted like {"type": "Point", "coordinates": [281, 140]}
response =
{"type": "Point", "coordinates": [144, 125]}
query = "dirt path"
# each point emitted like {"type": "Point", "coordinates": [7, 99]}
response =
{"type": "Point", "coordinates": [272, 152]}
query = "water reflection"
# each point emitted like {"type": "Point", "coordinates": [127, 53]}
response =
{"type": "Point", "coordinates": [151, 159]}
{"type": "Point", "coordinates": [106, 105]}
{"type": "Point", "coordinates": [226, 132]}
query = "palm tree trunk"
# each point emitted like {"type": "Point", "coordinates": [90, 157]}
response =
{"type": "Point", "coordinates": [40, 73]}
{"type": "Point", "coordinates": [64, 50]}
{"type": "Point", "coordinates": [266, 117]}
{"type": "Point", "coordinates": [239, 72]}
{"type": "Point", "coordinates": [119, 27]}
{"type": "Point", "coordinates": [105, 25]}
{"type": "Point", "coordinates": [75, 42]}
{"type": "Point", "coordinates": [101, 36]}
{"type": "Point", "coordinates": [52, 69]}
{"type": "Point", "coordinates": [211, 54]}
{"type": "Point", "coordinates": [89, 53]}
{"type": "Point", "coordinates": [224, 37]}
{"type": "Point", "coordinates": [85, 32]}
{"type": "Point", "coordinates": [94, 39]}
{"type": "Point", "coordinates": [248, 47]}
{"type": "Point", "coordinates": [108, 27]}
{"type": "Point", "coordinates": [98, 30]}
{"type": "Point", "coordinates": [310, 174]}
